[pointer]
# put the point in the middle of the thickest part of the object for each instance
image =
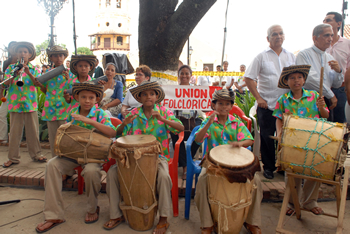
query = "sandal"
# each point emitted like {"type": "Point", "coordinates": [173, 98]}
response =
{"type": "Point", "coordinates": [55, 222]}
{"type": "Point", "coordinates": [40, 159]}
{"type": "Point", "coordinates": [8, 165]}
{"type": "Point", "coordinates": [98, 215]}
{"type": "Point", "coordinates": [117, 222]}
{"type": "Point", "coordinates": [160, 226]}
{"type": "Point", "coordinates": [207, 230]}
{"type": "Point", "coordinates": [290, 211]}
{"type": "Point", "coordinates": [318, 209]}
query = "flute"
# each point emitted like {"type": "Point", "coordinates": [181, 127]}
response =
{"type": "Point", "coordinates": [20, 81]}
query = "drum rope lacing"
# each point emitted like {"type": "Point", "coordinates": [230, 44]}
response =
{"type": "Point", "coordinates": [320, 133]}
{"type": "Point", "coordinates": [132, 207]}
{"type": "Point", "coordinates": [234, 207]}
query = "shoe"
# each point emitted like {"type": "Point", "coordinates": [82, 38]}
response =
{"type": "Point", "coordinates": [268, 174]}
{"type": "Point", "coordinates": [252, 229]}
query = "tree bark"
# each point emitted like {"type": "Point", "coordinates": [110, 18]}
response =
{"type": "Point", "coordinates": [163, 31]}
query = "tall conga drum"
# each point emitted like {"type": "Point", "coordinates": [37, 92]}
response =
{"type": "Point", "coordinates": [312, 147]}
{"type": "Point", "coordinates": [230, 184]}
{"type": "Point", "coordinates": [137, 157]}
{"type": "Point", "coordinates": [81, 144]}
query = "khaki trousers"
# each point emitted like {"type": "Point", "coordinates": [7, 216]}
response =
{"type": "Point", "coordinates": [53, 126]}
{"type": "Point", "coordinates": [55, 168]}
{"type": "Point", "coordinates": [3, 121]}
{"type": "Point", "coordinates": [31, 123]}
{"type": "Point", "coordinates": [201, 199]}
{"type": "Point", "coordinates": [307, 195]}
{"type": "Point", "coordinates": [163, 188]}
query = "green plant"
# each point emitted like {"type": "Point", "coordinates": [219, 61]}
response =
{"type": "Point", "coordinates": [246, 102]}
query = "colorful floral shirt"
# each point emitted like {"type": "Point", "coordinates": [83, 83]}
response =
{"type": "Point", "coordinates": [55, 106]}
{"type": "Point", "coordinates": [152, 126]}
{"type": "Point", "coordinates": [96, 114]}
{"type": "Point", "coordinates": [218, 134]}
{"type": "Point", "coordinates": [305, 107]}
{"type": "Point", "coordinates": [25, 98]}
{"type": "Point", "coordinates": [70, 82]}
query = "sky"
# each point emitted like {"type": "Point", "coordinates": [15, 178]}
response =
{"type": "Point", "coordinates": [247, 24]}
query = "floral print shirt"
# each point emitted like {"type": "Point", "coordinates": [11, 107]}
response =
{"type": "Point", "coordinates": [25, 98]}
{"type": "Point", "coordinates": [305, 107]}
{"type": "Point", "coordinates": [70, 82]}
{"type": "Point", "coordinates": [152, 126]}
{"type": "Point", "coordinates": [96, 114]}
{"type": "Point", "coordinates": [218, 134]}
{"type": "Point", "coordinates": [55, 106]}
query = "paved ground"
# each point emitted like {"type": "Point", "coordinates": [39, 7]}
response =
{"type": "Point", "coordinates": [75, 211]}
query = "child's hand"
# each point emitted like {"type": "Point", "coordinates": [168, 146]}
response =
{"type": "Point", "coordinates": [156, 114]}
{"type": "Point", "coordinates": [320, 102]}
{"type": "Point", "coordinates": [37, 83]}
{"type": "Point", "coordinates": [236, 144]}
{"type": "Point", "coordinates": [129, 119]}
{"type": "Point", "coordinates": [66, 96]}
{"type": "Point", "coordinates": [65, 74]}
{"type": "Point", "coordinates": [212, 117]}
{"type": "Point", "coordinates": [26, 69]}
{"type": "Point", "coordinates": [81, 118]}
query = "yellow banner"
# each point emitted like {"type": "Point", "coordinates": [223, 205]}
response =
{"type": "Point", "coordinates": [217, 73]}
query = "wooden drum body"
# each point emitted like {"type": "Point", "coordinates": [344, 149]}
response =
{"type": "Point", "coordinates": [230, 184]}
{"type": "Point", "coordinates": [137, 157]}
{"type": "Point", "coordinates": [81, 144]}
{"type": "Point", "coordinates": [311, 147]}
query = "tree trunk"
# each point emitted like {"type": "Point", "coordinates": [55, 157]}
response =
{"type": "Point", "coordinates": [163, 31]}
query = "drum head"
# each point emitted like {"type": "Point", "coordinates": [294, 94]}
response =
{"type": "Point", "coordinates": [231, 157]}
{"type": "Point", "coordinates": [136, 140]}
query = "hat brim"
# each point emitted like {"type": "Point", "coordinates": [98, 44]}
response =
{"type": "Point", "coordinates": [146, 85]}
{"type": "Point", "coordinates": [223, 94]}
{"type": "Point", "coordinates": [64, 52]}
{"type": "Point", "coordinates": [303, 69]}
{"type": "Point", "coordinates": [25, 44]}
{"type": "Point", "coordinates": [78, 87]}
{"type": "Point", "coordinates": [91, 59]}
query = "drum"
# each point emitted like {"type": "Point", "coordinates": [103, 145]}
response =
{"type": "Point", "coordinates": [230, 184]}
{"type": "Point", "coordinates": [137, 157]}
{"type": "Point", "coordinates": [81, 144]}
{"type": "Point", "coordinates": [311, 147]}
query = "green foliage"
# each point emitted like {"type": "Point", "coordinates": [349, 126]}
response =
{"type": "Point", "coordinates": [247, 102]}
{"type": "Point", "coordinates": [44, 46]}
{"type": "Point", "coordinates": [84, 50]}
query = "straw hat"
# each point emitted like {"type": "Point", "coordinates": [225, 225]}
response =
{"type": "Point", "coordinates": [25, 44]}
{"type": "Point", "coordinates": [91, 59]}
{"type": "Point", "coordinates": [89, 86]}
{"type": "Point", "coordinates": [303, 69]}
{"type": "Point", "coordinates": [147, 85]}
{"type": "Point", "coordinates": [223, 94]}
{"type": "Point", "coordinates": [57, 50]}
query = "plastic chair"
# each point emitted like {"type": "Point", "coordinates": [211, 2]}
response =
{"type": "Point", "coordinates": [256, 148]}
{"type": "Point", "coordinates": [173, 171]}
{"type": "Point", "coordinates": [193, 167]}
{"type": "Point", "coordinates": [105, 166]}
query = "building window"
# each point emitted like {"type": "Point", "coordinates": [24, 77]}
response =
{"type": "Point", "coordinates": [98, 41]}
{"type": "Point", "coordinates": [108, 3]}
{"type": "Point", "coordinates": [119, 25]}
{"type": "Point", "coordinates": [107, 24]}
{"type": "Point", "coordinates": [119, 40]}
{"type": "Point", "coordinates": [119, 3]}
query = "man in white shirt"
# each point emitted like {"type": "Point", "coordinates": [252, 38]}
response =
{"type": "Point", "coordinates": [340, 50]}
{"type": "Point", "coordinates": [317, 57]}
{"type": "Point", "coordinates": [216, 81]}
{"type": "Point", "coordinates": [266, 69]}
{"type": "Point", "coordinates": [241, 86]}
{"type": "Point", "coordinates": [229, 79]}
{"type": "Point", "coordinates": [204, 80]}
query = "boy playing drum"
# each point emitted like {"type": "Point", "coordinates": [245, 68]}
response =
{"type": "Point", "coordinates": [149, 119]}
{"type": "Point", "coordinates": [304, 103]}
{"type": "Point", "coordinates": [88, 116]}
{"type": "Point", "coordinates": [222, 128]}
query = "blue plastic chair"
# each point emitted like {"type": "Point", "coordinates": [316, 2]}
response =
{"type": "Point", "coordinates": [193, 168]}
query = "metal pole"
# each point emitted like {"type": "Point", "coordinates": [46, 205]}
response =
{"type": "Point", "coordinates": [225, 30]}
{"type": "Point", "coordinates": [345, 7]}
{"type": "Point", "coordinates": [52, 18]}
{"type": "Point", "coordinates": [188, 51]}
{"type": "Point", "coordinates": [74, 34]}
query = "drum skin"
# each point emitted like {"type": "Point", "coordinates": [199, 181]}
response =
{"type": "Point", "coordinates": [71, 141]}
{"type": "Point", "coordinates": [137, 157]}
{"type": "Point", "coordinates": [230, 201]}
{"type": "Point", "coordinates": [310, 147]}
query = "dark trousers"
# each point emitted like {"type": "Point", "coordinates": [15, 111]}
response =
{"type": "Point", "coordinates": [339, 110]}
{"type": "Point", "coordinates": [328, 103]}
{"type": "Point", "coordinates": [267, 124]}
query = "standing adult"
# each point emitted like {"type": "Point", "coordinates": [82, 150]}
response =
{"type": "Point", "coordinates": [241, 86]}
{"type": "Point", "coordinates": [266, 69]}
{"type": "Point", "coordinates": [204, 80]}
{"type": "Point", "coordinates": [143, 73]}
{"type": "Point", "coordinates": [340, 50]}
{"type": "Point", "coordinates": [317, 57]}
